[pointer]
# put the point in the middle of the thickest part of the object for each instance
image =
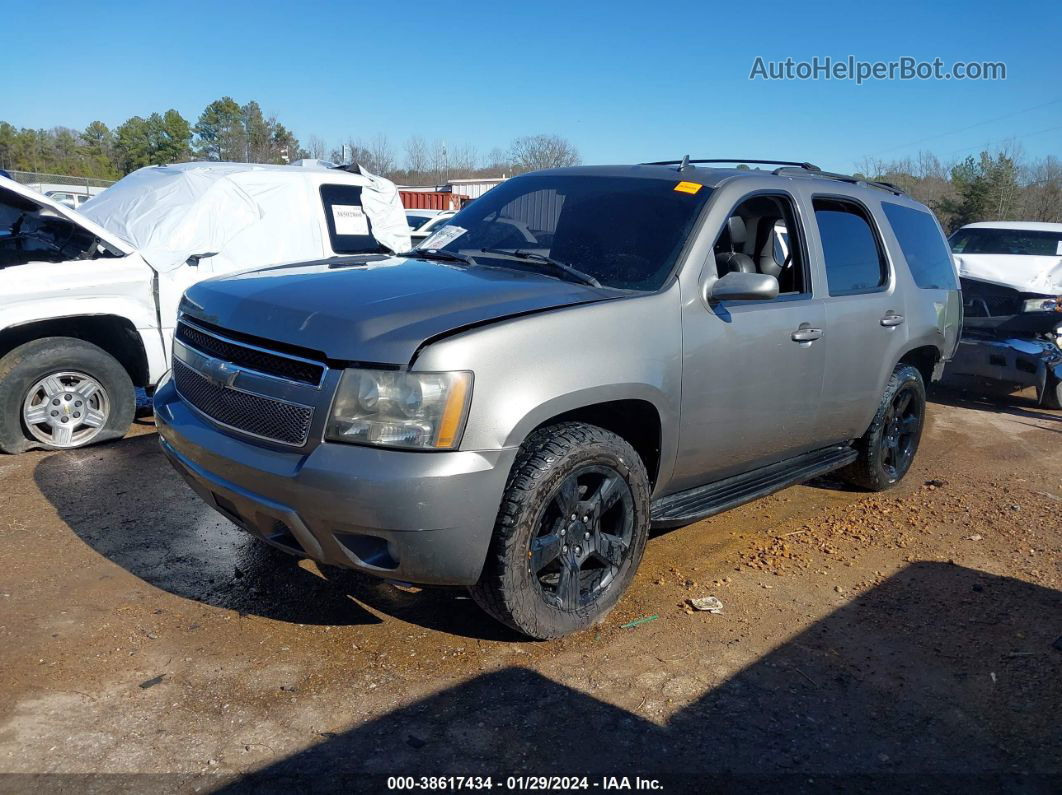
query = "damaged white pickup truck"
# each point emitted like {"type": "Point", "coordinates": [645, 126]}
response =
{"type": "Point", "coordinates": [88, 299]}
{"type": "Point", "coordinates": [1011, 276]}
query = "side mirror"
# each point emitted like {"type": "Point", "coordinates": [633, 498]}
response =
{"type": "Point", "coordinates": [194, 259]}
{"type": "Point", "coordinates": [736, 286]}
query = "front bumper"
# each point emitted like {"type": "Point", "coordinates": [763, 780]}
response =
{"type": "Point", "coordinates": [1014, 362]}
{"type": "Point", "coordinates": [421, 517]}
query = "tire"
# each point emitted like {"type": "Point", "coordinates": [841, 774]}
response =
{"type": "Point", "coordinates": [546, 573]}
{"type": "Point", "coordinates": [1052, 397]}
{"type": "Point", "coordinates": [888, 448]}
{"type": "Point", "coordinates": [94, 391]}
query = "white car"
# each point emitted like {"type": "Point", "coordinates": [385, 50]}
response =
{"type": "Point", "coordinates": [88, 300]}
{"type": "Point", "coordinates": [423, 222]}
{"type": "Point", "coordinates": [1011, 276]}
{"type": "Point", "coordinates": [68, 198]}
{"type": "Point", "coordinates": [1023, 255]}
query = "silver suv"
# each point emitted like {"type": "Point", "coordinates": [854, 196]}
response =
{"type": "Point", "coordinates": [578, 355]}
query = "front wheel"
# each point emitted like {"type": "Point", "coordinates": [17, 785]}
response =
{"type": "Point", "coordinates": [888, 448]}
{"type": "Point", "coordinates": [570, 533]}
{"type": "Point", "coordinates": [59, 393]}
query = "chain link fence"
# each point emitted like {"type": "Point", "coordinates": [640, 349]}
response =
{"type": "Point", "coordinates": [45, 183]}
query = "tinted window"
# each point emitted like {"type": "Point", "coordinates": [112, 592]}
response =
{"type": "Point", "coordinates": [854, 258]}
{"type": "Point", "coordinates": [417, 221]}
{"type": "Point", "coordinates": [985, 240]}
{"type": "Point", "coordinates": [923, 247]}
{"type": "Point", "coordinates": [349, 228]}
{"type": "Point", "coordinates": [626, 232]}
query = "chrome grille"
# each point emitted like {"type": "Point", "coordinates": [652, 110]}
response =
{"type": "Point", "coordinates": [249, 356]}
{"type": "Point", "coordinates": [260, 416]}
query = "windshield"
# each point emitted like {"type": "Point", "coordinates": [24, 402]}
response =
{"type": "Point", "coordinates": [29, 233]}
{"type": "Point", "coordinates": [985, 240]}
{"type": "Point", "coordinates": [624, 232]}
{"type": "Point", "coordinates": [417, 221]}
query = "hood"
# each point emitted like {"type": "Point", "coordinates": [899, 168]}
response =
{"type": "Point", "coordinates": [8, 187]}
{"type": "Point", "coordinates": [376, 312]}
{"type": "Point", "coordinates": [1025, 273]}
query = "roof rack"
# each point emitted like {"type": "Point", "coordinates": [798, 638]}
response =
{"type": "Point", "coordinates": [852, 180]}
{"type": "Point", "coordinates": [686, 161]}
{"type": "Point", "coordinates": [787, 168]}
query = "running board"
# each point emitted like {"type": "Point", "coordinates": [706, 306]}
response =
{"type": "Point", "coordinates": [698, 503]}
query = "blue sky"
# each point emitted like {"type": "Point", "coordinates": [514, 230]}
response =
{"type": "Point", "coordinates": [624, 81]}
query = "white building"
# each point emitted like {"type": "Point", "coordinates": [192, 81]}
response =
{"type": "Point", "coordinates": [473, 188]}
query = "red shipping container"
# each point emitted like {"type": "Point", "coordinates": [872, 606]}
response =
{"type": "Point", "coordinates": [431, 200]}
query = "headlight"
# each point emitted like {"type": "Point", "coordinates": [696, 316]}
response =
{"type": "Point", "coordinates": [397, 408]}
{"type": "Point", "coordinates": [1042, 305]}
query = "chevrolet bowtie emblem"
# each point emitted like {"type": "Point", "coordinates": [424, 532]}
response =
{"type": "Point", "coordinates": [220, 373]}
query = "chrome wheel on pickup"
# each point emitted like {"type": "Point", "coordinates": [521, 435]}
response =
{"type": "Point", "coordinates": [66, 409]}
{"type": "Point", "coordinates": [60, 393]}
{"type": "Point", "coordinates": [570, 533]}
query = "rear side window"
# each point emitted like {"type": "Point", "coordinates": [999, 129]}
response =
{"type": "Point", "coordinates": [923, 247]}
{"type": "Point", "coordinates": [349, 228]}
{"type": "Point", "coordinates": [855, 259]}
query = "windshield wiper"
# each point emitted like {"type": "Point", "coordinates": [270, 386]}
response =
{"type": "Point", "coordinates": [534, 256]}
{"type": "Point", "coordinates": [439, 254]}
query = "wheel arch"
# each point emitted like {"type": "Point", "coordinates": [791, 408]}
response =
{"type": "Point", "coordinates": [113, 333]}
{"type": "Point", "coordinates": [924, 358]}
{"type": "Point", "coordinates": [636, 419]}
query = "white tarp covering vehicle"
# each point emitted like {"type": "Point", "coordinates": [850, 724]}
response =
{"type": "Point", "coordinates": [88, 299]}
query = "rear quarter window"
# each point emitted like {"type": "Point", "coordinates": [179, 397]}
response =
{"type": "Point", "coordinates": [923, 247]}
{"type": "Point", "coordinates": [349, 228]}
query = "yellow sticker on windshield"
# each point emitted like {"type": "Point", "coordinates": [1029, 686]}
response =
{"type": "Point", "coordinates": [688, 187]}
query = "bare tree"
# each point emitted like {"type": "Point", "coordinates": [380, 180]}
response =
{"type": "Point", "coordinates": [1042, 197]}
{"type": "Point", "coordinates": [498, 161]}
{"type": "Point", "coordinates": [416, 156]}
{"type": "Point", "coordinates": [463, 161]}
{"type": "Point", "coordinates": [533, 152]}
{"type": "Point", "coordinates": [381, 158]}
{"type": "Point", "coordinates": [316, 147]}
{"type": "Point", "coordinates": [440, 162]}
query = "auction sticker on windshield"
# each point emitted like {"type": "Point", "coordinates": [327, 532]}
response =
{"type": "Point", "coordinates": [445, 236]}
{"type": "Point", "coordinates": [350, 219]}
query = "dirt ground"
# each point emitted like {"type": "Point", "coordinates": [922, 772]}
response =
{"type": "Point", "coordinates": [912, 637]}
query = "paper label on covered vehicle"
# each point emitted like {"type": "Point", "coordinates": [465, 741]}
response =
{"type": "Point", "coordinates": [445, 236]}
{"type": "Point", "coordinates": [350, 219]}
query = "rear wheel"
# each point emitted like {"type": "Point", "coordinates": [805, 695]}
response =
{"type": "Point", "coordinates": [570, 532]}
{"type": "Point", "coordinates": [887, 449]}
{"type": "Point", "coordinates": [60, 393]}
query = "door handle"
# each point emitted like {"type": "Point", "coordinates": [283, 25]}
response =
{"type": "Point", "coordinates": [890, 319]}
{"type": "Point", "coordinates": [806, 334]}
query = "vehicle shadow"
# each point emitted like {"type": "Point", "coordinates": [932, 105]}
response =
{"type": "Point", "coordinates": [126, 502]}
{"type": "Point", "coordinates": [941, 678]}
{"type": "Point", "coordinates": [1015, 405]}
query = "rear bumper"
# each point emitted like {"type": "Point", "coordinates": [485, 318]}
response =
{"type": "Point", "coordinates": [415, 516]}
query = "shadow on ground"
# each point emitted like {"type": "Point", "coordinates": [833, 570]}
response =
{"type": "Point", "coordinates": [126, 502]}
{"type": "Point", "coordinates": [941, 678]}
{"type": "Point", "coordinates": [1021, 404]}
